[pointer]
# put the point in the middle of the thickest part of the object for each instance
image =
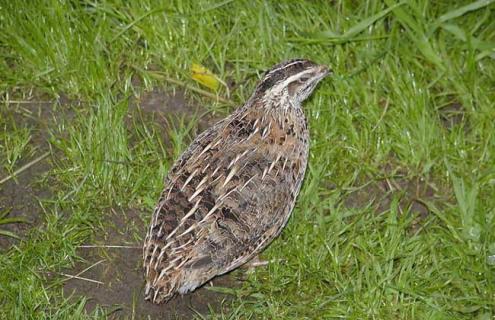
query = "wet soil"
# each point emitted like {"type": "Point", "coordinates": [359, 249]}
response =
{"type": "Point", "coordinates": [164, 107]}
{"type": "Point", "coordinates": [114, 280]}
{"type": "Point", "coordinates": [413, 194]}
{"type": "Point", "coordinates": [22, 195]}
{"type": "Point", "coordinates": [452, 113]}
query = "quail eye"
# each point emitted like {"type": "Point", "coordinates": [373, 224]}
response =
{"type": "Point", "coordinates": [303, 79]}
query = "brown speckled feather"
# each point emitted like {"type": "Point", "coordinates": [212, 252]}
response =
{"type": "Point", "coordinates": [232, 191]}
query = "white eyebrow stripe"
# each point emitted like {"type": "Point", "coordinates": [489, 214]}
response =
{"type": "Point", "coordinates": [286, 66]}
{"type": "Point", "coordinates": [284, 84]}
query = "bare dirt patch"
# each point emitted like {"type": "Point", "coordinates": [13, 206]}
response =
{"type": "Point", "coordinates": [118, 271]}
{"type": "Point", "coordinates": [452, 113]}
{"type": "Point", "coordinates": [21, 195]}
{"type": "Point", "coordinates": [159, 104]}
{"type": "Point", "coordinates": [413, 194]}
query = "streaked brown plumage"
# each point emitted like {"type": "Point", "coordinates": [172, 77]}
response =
{"type": "Point", "coordinates": [232, 191]}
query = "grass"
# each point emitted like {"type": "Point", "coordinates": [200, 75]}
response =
{"type": "Point", "coordinates": [406, 122]}
{"type": "Point", "coordinates": [15, 145]}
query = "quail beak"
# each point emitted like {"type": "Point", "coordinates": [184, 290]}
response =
{"type": "Point", "coordinates": [324, 71]}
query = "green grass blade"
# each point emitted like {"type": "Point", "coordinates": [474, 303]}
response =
{"type": "Point", "coordinates": [455, 30]}
{"type": "Point", "coordinates": [460, 34]}
{"type": "Point", "coordinates": [354, 30]}
{"type": "Point", "coordinates": [12, 220]}
{"type": "Point", "coordinates": [452, 14]}
{"type": "Point", "coordinates": [10, 234]}
{"type": "Point", "coordinates": [364, 24]}
{"type": "Point", "coordinates": [417, 35]}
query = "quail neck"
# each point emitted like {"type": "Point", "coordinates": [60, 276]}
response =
{"type": "Point", "coordinates": [232, 191]}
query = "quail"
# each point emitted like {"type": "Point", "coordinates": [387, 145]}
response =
{"type": "Point", "coordinates": [233, 189]}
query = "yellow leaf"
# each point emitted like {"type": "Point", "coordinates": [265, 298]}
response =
{"type": "Point", "coordinates": [204, 77]}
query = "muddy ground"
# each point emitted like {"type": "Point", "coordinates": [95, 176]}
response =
{"type": "Point", "coordinates": [22, 195]}
{"type": "Point", "coordinates": [118, 271]}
